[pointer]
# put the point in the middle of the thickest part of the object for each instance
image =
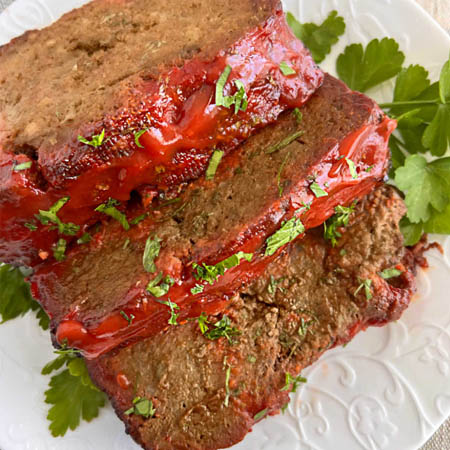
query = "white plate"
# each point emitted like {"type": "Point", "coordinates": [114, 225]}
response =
{"type": "Point", "coordinates": [389, 389]}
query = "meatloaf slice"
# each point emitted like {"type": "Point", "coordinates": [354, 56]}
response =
{"type": "Point", "coordinates": [290, 177]}
{"type": "Point", "coordinates": [208, 394]}
{"type": "Point", "coordinates": [125, 93]}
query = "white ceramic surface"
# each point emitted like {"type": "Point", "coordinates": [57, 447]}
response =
{"type": "Point", "coordinates": [389, 389]}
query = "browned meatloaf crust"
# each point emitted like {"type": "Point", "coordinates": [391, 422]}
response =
{"type": "Point", "coordinates": [144, 73]}
{"type": "Point", "coordinates": [248, 201]}
{"type": "Point", "coordinates": [307, 302]}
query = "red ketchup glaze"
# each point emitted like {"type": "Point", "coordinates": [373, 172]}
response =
{"type": "Point", "coordinates": [367, 148]}
{"type": "Point", "coordinates": [184, 126]}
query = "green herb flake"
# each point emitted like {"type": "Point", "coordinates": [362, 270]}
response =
{"type": "Point", "coordinates": [23, 166]}
{"type": "Point", "coordinates": [387, 274]}
{"type": "Point", "coordinates": [261, 414]}
{"type": "Point", "coordinates": [51, 216]}
{"type": "Point", "coordinates": [214, 162]}
{"type": "Point", "coordinates": [137, 137]}
{"type": "Point", "coordinates": [128, 318]}
{"type": "Point", "coordinates": [318, 38]}
{"type": "Point", "coordinates": [222, 328]}
{"type": "Point", "coordinates": [110, 209]}
{"type": "Point", "coordinates": [251, 359]}
{"type": "Point", "coordinates": [203, 323]}
{"type": "Point", "coordinates": [197, 289]}
{"type": "Point", "coordinates": [85, 239]}
{"type": "Point", "coordinates": [211, 274]}
{"type": "Point", "coordinates": [227, 383]}
{"type": "Point", "coordinates": [286, 69]}
{"type": "Point", "coordinates": [151, 252]}
{"type": "Point", "coordinates": [352, 168]}
{"type": "Point", "coordinates": [31, 226]}
{"type": "Point", "coordinates": [159, 287]}
{"type": "Point", "coordinates": [284, 143]}
{"type": "Point", "coordinates": [287, 233]}
{"type": "Point", "coordinates": [141, 407]}
{"type": "Point", "coordinates": [173, 307]}
{"type": "Point", "coordinates": [340, 219]}
{"type": "Point", "coordinates": [137, 220]}
{"type": "Point", "coordinates": [96, 140]}
{"type": "Point", "coordinates": [298, 115]}
{"type": "Point", "coordinates": [239, 99]}
{"type": "Point", "coordinates": [294, 381]}
{"type": "Point", "coordinates": [317, 190]}
{"type": "Point", "coordinates": [59, 250]}
{"type": "Point", "coordinates": [366, 285]}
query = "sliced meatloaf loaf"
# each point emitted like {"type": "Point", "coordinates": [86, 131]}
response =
{"type": "Point", "coordinates": [125, 93]}
{"type": "Point", "coordinates": [207, 394]}
{"type": "Point", "coordinates": [221, 234]}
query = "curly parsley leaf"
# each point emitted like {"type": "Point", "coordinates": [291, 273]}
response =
{"type": "Point", "coordinates": [363, 69]}
{"type": "Point", "coordinates": [318, 38]}
{"type": "Point", "coordinates": [15, 297]}
{"type": "Point", "coordinates": [74, 397]}
{"type": "Point", "coordinates": [427, 186]}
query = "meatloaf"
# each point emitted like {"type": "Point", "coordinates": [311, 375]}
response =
{"type": "Point", "coordinates": [123, 94]}
{"type": "Point", "coordinates": [207, 394]}
{"type": "Point", "coordinates": [290, 177]}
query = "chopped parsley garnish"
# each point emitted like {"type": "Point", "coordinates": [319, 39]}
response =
{"type": "Point", "coordinates": [366, 285]}
{"type": "Point", "coordinates": [284, 143]}
{"type": "Point", "coordinates": [369, 169]}
{"type": "Point", "coordinates": [317, 190]}
{"type": "Point", "coordinates": [239, 100]}
{"type": "Point", "coordinates": [352, 168]}
{"type": "Point", "coordinates": [203, 323]}
{"type": "Point", "coordinates": [387, 274]}
{"type": "Point", "coordinates": [222, 328]}
{"type": "Point", "coordinates": [138, 136]}
{"type": "Point", "coordinates": [251, 359]}
{"type": "Point", "coordinates": [110, 209]}
{"type": "Point", "coordinates": [318, 38]}
{"type": "Point", "coordinates": [197, 289]}
{"type": "Point", "coordinates": [287, 233]}
{"type": "Point", "coordinates": [286, 69]}
{"type": "Point", "coordinates": [214, 164]}
{"type": "Point", "coordinates": [210, 274]}
{"type": "Point", "coordinates": [31, 226]}
{"type": "Point", "coordinates": [298, 115]}
{"type": "Point", "coordinates": [96, 140]}
{"type": "Point", "coordinates": [339, 220]}
{"type": "Point", "coordinates": [173, 307]}
{"type": "Point", "coordinates": [24, 166]}
{"type": "Point", "coordinates": [71, 393]}
{"type": "Point", "coordinates": [159, 287]}
{"type": "Point", "coordinates": [273, 285]}
{"type": "Point", "coordinates": [59, 250]}
{"type": "Point", "coordinates": [261, 414]}
{"type": "Point", "coordinates": [294, 381]}
{"type": "Point", "coordinates": [128, 318]}
{"type": "Point", "coordinates": [85, 239]}
{"type": "Point", "coordinates": [51, 216]}
{"type": "Point", "coordinates": [137, 220]}
{"type": "Point", "coordinates": [151, 252]}
{"type": "Point", "coordinates": [141, 407]}
{"type": "Point", "coordinates": [284, 407]}
{"type": "Point", "coordinates": [305, 326]}
{"type": "Point", "coordinates": [15, 298]}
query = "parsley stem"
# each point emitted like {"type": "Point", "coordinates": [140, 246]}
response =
{"type": "Point", "coordinates": [409, 103]}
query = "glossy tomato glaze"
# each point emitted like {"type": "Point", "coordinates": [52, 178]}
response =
{"type": "Point", "coordinates": [368, 150]}
{"type": "Point", "coordinates": [184, 126]}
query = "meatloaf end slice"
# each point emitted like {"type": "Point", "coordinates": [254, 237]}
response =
{"type": "Point", "coordinates": [295, 173]}
{"type": "Point", "coordinates": [121, 94]}
{"type": "Point", "coordinates": [208, 394]}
